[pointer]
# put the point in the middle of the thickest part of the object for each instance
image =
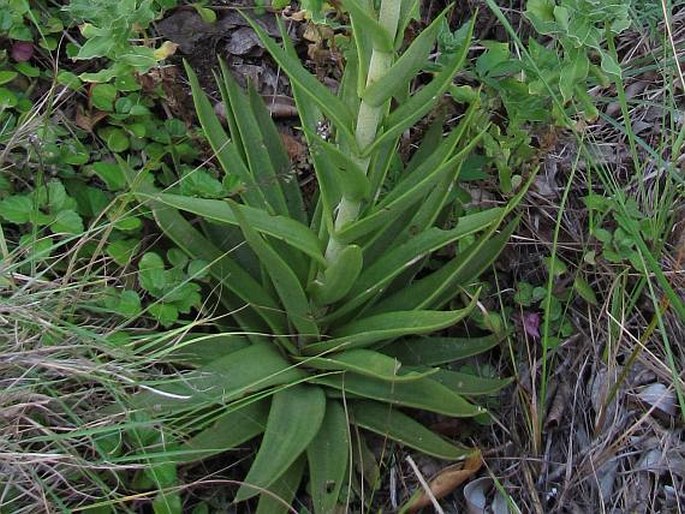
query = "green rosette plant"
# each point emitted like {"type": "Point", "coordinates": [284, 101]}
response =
{"type": "Point", "coordinates": [330, 303]}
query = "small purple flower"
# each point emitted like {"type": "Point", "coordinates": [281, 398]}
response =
{"type": "Point", "coordinates": [22, 51]}
{"type": "Point", "coordinates": [531, 324]}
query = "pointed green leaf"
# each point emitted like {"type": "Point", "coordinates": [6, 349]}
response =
{"type": "Point", "coordinates": [294, 420]}
{"type": "Point", "coordinates": [329, 104]}
{"type": "Point", "coordinates": [257, 367]}
{"type": "Point", "coordinates": [391, 208]}
{"type": "Point", "coordinates": [255, 148]}
{"type": "Point", "coordinates": [424, 394]}
{"type": "Point", "coordinates": [282, 492]}
{"type": "Point", "coordinates": [280, 227]}
{"type": "Point", "coordinates": [329, 187]}
{"type": "Point", "coordinates": [351, 179]}
{"type": "Point", "coordinates": [433, 351]}
{"type": "Point", "coordinates": [468, 385]}
{"type": "Point", "coordinates": [389, 325]}
{"type": "Point", "coordinates": [339, 277]}
{"type": "Point", "coordinates": [189, 239]}
{"type": "Point", "coordinates": [382, 41]}
{"type": "Point", "coordinates": [200, 349]}
{"type": "Point", "coordinates": [367, 363]}
{"type": "Point", "coordinates": [282, 276]}
{"type": "Point", "coordinates": [225, 150]}
{"type": "Point", "coordinates": [328, 457]}
{"type": "Point", "coordinates": [399, 76]}
{"type": "Point", "coordinates": [421, 102]}
{"type": "Point", "coordinates": [388, 422]}
{"type": "Point", "coordinates": [279, 157]}
{"type": "Point", "coordinates": [436, 289]}
{"type": "Point", "coordinates": [426, 168]}
{"type": "Point", "coordinates": [377, 276]}
{"type": "Point", "coordinates": [228, 431]}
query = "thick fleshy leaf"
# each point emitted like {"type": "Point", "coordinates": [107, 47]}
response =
{"type": "Point", "coordinates": [338, 277]}
{"type": "Point", "coordinates": [365, 362]}
{"type": "Point", "coordinates": [294, 420]}
{"type": "Point", "coordinates": [380, 38]}
{"type": "Point", "coordinates": [424, 393]}
{"type": "Point", "coordinates": [200, 349]}
{"type": "Point", "coordinates": [282, 492]}
{"type": "Point", "coordinates": [389, 422]}
{"type": "Point", "coordinates": [366, 331]}
{"type": "Point", "coordinates": [254, 146]}
{"type": "Point", "coordinates": [415, 175]}
{"type": "Point", "coordinates": [191, 241]}
{"type": "Point", "coordinates": [436, 201]}
{"type": "Point", "coordinates": [329, 104]}
{"type": "Point", "coordinates": [282, 276]}
{"type": "Point", "coordinates": [285, 229]}
{"type": "Point", "coordinates": [433, 351]}
{"type": "Point", "coordinates": [404, 70]}
{"type": "Point", "coordinates": [228, 431]}
{"type": "Point", "coordinates": [222, 267]}
{"type": "Point", "coordinates": [225, 150]}
{"type": "Point", "coordinates": [328, 457]}
{"type": "Point", "coordinates": [351, 179]}
{"type": "Point", "coordinates": [279, 157]}
{"type": "Point", "coordinates": [421, 102]}
{"type": "Point", "coordinates": [257, 367]}
{"type": "Point", "coordinates": [436, 289]}
{"type": "Point", "coordinates": [396, 260]}
{"type": "Point", "coordinates": [469, 385]}
{"type": "Point", "coordinates": [392, 207]}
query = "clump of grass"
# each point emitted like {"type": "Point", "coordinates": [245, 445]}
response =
{"type": "Point", "coordinates": [59, 367]}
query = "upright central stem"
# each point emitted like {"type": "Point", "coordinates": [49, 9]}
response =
{"type": "Point", "coordinates": [368, 120]}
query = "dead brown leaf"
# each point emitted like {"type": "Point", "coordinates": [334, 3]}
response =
{"type": "Point", "coordinates": [88, 120]}
{"type": "Point", "coordinates": [446, 481]}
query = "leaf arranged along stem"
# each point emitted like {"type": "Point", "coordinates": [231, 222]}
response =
{"type": "Point", "coordinates": [336, 291]}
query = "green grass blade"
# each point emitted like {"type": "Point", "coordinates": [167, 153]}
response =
{"type": "Point", "coordinates": [404, 70]}
{"type": "Point", "coordinates": [328, 457]}
{"type": "Point", "coordinates": [282, 492]}
{"type": "Point", "coordinates": [367, 363]}
{"type": "Point", "coordinates": [285, 229]}
{"type": "Point", "coordinates": [294, 420]}
{"type": "Point", "coordinates": [388, 422]}
{"type": "Point", "coordinates": [329, 104]}
{"type": "Point", "coordinates": [364, 332]}
{"type": "Point", "coordinates": [425, 394]}
{"type": "Point", "coordinates": [284, 279]}
{"type": "Point", "coordinates": [228, 431]}
{"type": "Point", "coordinates": [434, 351]}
